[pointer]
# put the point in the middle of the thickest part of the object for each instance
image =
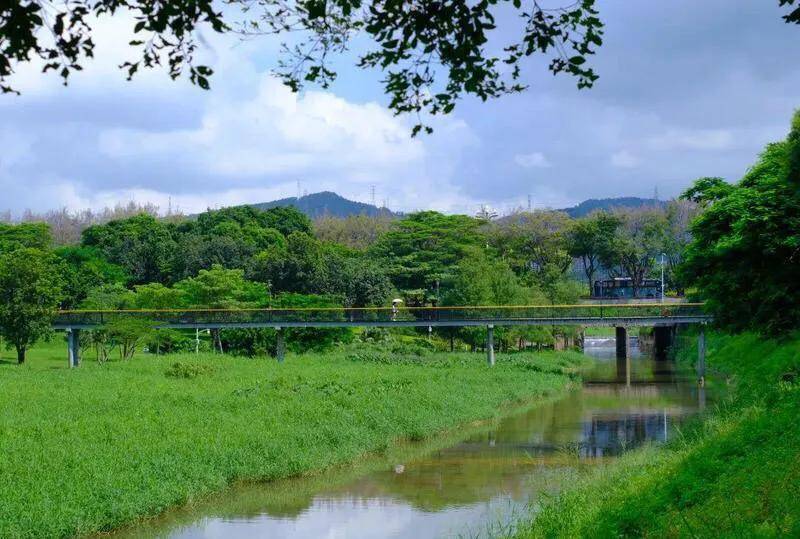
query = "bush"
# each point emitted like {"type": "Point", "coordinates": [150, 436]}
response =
{"type": "Point", "coordinates": [180, 369]}
{"type": "Point", "coordinates": [376, 335]}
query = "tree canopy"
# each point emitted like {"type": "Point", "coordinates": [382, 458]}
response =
{"type": "Point", "coordinates": [425, 247]}
{"type": "Point", "coordinates": [30, 290]}
{"type": "Point", "coordinates": [244, 257]}
{"type": "Point", "coordinates": [745, 254]}
{"type": "Point", "coordinates": [431, 53]}
{"type": "Point", "coordinates": [32, 235]}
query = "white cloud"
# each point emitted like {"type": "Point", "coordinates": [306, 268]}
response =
{"type": "Point", "coordinates": [278, 133]}
{"type": "Point", "coordinates": [624, 159]}
{"type": "Point", "coordinates": [532, 160]}
{"type": "Point", "coordinates": [692, 139]}
{"type": "Point", "coordinates": [248, 139]}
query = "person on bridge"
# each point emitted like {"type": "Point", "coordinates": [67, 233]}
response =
{"type": "Point", "coordinates": [396, 308]}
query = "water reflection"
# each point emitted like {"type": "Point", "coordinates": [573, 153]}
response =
{"type": "Point", "coordinates": [457, 490]}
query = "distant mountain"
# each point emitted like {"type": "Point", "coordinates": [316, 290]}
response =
{"type": "Point", "coordinates": [333, 205]}
{"type": "Point", "coordinates": [588, 206]}
{"type": "Point", "coordinates": [326, 203]}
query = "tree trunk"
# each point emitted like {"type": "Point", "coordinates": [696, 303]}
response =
{"type": "Point", "coordinates": [216, 340]}
{"type": "Point", "coordinates": [452, 343]}
{"type": "Point", "coordinates": [20, 355]}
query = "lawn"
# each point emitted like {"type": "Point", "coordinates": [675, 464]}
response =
{"type": "Point", "coordinates": [92, 448]}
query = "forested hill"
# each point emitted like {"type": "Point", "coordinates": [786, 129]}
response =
{"type": "Point", "coordinates": [588, 206]}
{"type": "Point", "coordinates": [326, 203]}
{"type": "Point", "coordinates": [331, 204]}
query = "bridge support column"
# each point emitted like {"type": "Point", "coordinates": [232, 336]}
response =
{"type": "Point", "coordinates": [622, 342]}
{"type": "Point", "coordinates": [280, 346]}
{"type": "Point", "coordinates": [701, 356]}
{"type": "Point", "coordinates": [624, 370]}
{"type": "Point", "coordinates": [490, 345]}
{"type": "Point", "coordinates": [662, 340]}
{"type": "Point", "coordinates": [74, 347]}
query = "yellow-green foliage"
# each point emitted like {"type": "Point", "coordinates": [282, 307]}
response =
{"type": "Point", "coordinates": [92, 448]}
{"type": "Point", "coordinates": [735, 474]}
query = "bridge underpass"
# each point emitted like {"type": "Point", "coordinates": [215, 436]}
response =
{"type": "Point", "coordinates": [662, 316]}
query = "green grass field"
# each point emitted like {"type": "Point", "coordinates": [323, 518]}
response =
{"type": "Point", "coordinates": [93, 448]}
{"type": "Point", "coordinates": [734, 474]}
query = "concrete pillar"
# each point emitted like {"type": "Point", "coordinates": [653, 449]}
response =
{"type": "Point", "coordinates": [662, 340]}
{"type": "Point", "coordinates": [624, 370]}
{"type": "Point", "coordinates": [74, 347]}
{"type": "Point", "coordinates": [622, 342]}
{"type": "Point", "coordinates": [701, 355]}
{"type": "Point", "coordinates": [280, 348]}
{"type": "Point", "coordinates": [490, 345]}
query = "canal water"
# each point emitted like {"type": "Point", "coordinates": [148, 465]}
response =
{"type": "Point", "coordinates": [472, 488]}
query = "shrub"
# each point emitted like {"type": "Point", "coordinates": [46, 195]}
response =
{"type": "Point", "coordinates": [181, 369]}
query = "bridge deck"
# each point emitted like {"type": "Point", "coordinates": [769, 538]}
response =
{"type": "Point", "coordinates": [652, 314]}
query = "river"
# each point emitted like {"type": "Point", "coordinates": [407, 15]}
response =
{"type": "Point", "coordinates": [471, 488]}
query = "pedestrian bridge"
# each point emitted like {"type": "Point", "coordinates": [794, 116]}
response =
{"type": "Point", "coordinates": [662, 316]}
{"type": "Point", "coordinates": [639, 314]}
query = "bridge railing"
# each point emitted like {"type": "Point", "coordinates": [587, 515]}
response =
{"type": "Point", "coordinates": [489, 314]}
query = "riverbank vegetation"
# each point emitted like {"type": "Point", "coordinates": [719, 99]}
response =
{"type": "Point", "coordinates": [736, 473]}
{"type": "Point", "coordinates": [89, 449]}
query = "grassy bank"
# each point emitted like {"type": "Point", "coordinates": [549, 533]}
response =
{"type": "Point", "coordinates": [734, 474]}
{"type": "Point", "coordinates": [92, 448]}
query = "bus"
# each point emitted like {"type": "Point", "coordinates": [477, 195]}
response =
{"type": "Point", "coordinates": [622, 288]}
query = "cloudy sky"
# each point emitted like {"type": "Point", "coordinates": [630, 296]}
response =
{"type": "Point", "coordinates": [686, 89]}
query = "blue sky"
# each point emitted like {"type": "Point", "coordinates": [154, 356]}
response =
{"type": "Point", "coordinates": [686, 89]}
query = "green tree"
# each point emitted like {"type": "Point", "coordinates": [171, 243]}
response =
{"type": "Point", "coordinates": [677, 237]}
{"type": "Point", "coordinates": [33, 235]}
{"type": "Point", "coordinates": [231, 237]}
{"type": "Point", "coordinates": [534, 243]}
{"type": "Point", "coordinates": [706, 190]}
{"type": "Point", "coordinates": [30, 291]}
{"type": "Point", "coordinates": [220, 288]}
{"type": "Point", "coordinates": [127, 334]}
{"type": "Point", "coordinates": [637, 244]}
{"type": "Point", "coordinates": [354, 231]}
{"type": "Point", "coordinates": [287, 220]}
{"type": "Point", "coordinates": [156, 296]}
{"type": "Point", "coordinates": [424, 248]}
{"type": "Point", "coordinates": [85, 269]}
{"type": "Point", "coordinates": [256, 341]}
{"type": "Point", "coordinates": [110, 297]}
{"type": "Point", "coordinates": [116, 331]}
{"type": "Point", "coordinates": [745, 249]}
{"type": "Point", "coordinates": [301, 266]}
{"type": "Point", "coordinates": [361, 282]}
{"type": "Point", "coordinates": [142, 245]}
{"type": "Point", "coordinates": [299, 339]}
{"type": "Point", "coordinates": [479, 279]}
{"type": "Point", "coordinates": [588, 238]}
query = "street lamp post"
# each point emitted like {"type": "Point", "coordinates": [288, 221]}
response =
{"type": "Point", "coordinates": [662, 277]}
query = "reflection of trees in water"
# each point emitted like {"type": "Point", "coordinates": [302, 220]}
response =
{"type": "Point", "coordinates": [605, 436]}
